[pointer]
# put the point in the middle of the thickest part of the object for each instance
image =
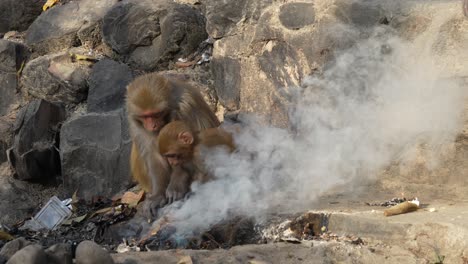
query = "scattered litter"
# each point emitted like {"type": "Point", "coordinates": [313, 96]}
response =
{"type": "Point", "coordinates": [432, 210]}
{"type": "Point", "coordinates": [402, 208]}
{"type": "Point", "coordinates": [5, 236]}
{"type": "Point", "coordinates": [389, 203]}
{"type": "Point", "coordinates": [51, 215]}
{"type": "Point", "coordinates": [185, 260]}
{"type": "Point", "coordinates": [49, 4]}
{"type": "Point", "coordinates": [132, 199]}
{"type": "Point", "coordinates": [125, 247]}
{"type": "Point", "coordinates": [78, 57]}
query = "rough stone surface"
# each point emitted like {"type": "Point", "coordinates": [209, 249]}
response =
{"type": "Point", "coordinates": [152, 34]}
{"type": "Point", "coordinates": [60, 254]}
{"type": "Point", "coordinates": [226, 73]}
{"type": "Point", "coordinates": [222, 16]}
{"type": "Point", "coordinates": [58, 27]}
{"type": "Point", "coordinates": [32, 254]}
{"type": "Point", "coordinates": [34, 153]}
{"type": "Point", "coordinates": [19, 14]}
{"type": "Point", "coordinates": [10, 248]}
{"type": "Point", "coordinates": [11, 57]}
{"type": "Point", "coordinates": [297, 15]}
{"type": "Point", "coordinates": [107, 86]}
{"type": "Point", "coordinates": [89, 252]}
{"type": "Point", "coordinates": [56, 78]}
{"type": "Point", "coordinates": [95, 151]}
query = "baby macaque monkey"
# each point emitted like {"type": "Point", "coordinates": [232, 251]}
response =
{"type": "Point", "coordinates": [182, 147]}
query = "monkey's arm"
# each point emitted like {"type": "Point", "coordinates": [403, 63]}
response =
{"type": "Point", "coordinates": [179, 184]}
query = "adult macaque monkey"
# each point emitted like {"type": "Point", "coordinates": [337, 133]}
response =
{"type": "Point", "coordinates": [183, 148]}
{"type": "Point", "coordinates": [153, 101]}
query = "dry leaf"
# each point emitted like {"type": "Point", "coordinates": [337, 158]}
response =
{"type": "Point", "coordinates": [78, 219]}
{"type": "Point", "coordinates": [132, 199]}
{"type": "Point", "coordinates": [49, 4]}
{"type": "Point", "coordinates": [5, 236]}
{"type": "Point", "coordinates": [79, 57]}
{"type": "Point", "coordinates": [257, 262]}
{"type": "Point", "coordinates": [185, 260]}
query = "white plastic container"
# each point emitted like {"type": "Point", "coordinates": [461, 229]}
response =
{"type": "Point", "coordinates": [52, 214]}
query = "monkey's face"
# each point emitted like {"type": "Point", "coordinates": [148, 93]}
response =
{"type": "Point", "coordinates": [176, 158]}
{"type": "Point", "coordinates": [153, 121]}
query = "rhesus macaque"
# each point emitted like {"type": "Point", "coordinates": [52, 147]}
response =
{"type": "Point", "coordinates": [183, 148]}
{"type": "Point", "coordinates": [153, 101]}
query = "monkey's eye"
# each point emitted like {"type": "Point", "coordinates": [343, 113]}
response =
{"type": "Point", "coordinates": [173, 156]}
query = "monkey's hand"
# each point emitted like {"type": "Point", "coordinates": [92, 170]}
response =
{"type": "Point", "coordinates": [152, 205]}
{"type": "Point", "coordinates": [178, 186]}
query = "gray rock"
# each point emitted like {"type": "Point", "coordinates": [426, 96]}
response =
{"type": "Point", "coordinates": [60, 254]}
{"type": "Point", "coordinates": [58, 27]}
{"type": "Point", "coordinates": [226, 73]}
{"type": "Point", "coordinates": [56, 78]}
{"type": "Point", "coordinates": [89, 252]}
{"type": "Point", "coordinates": [152, 34]}
{"type": "Point", "coordinates": [11, 56]}
{"type": "Point", "coordinates": [129, 25]}
{"type": "Point", "coordinates": [95, 151]}
{"type": "Point", "coordinates": [297, 15]}
{"type": "Point", "coordinates": [32, 254]}
{"type": "Point", "coordinates": [34, 153]}
{"type": "Point", "coordinates": [107, 86]}
{"type": "Point", "coordinates": [10, 248]}
{"type": "Point", "coordinates": [362, 14]}
{"type": "Point", "coordinates": [222, 17]}
{"type": "Point", "coordinates": [18, 14]}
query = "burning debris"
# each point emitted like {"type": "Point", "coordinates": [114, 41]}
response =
{"type": "Point", "coordinates": [304, 229]}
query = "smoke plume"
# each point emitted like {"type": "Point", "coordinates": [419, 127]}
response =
{"type": "Point", "coordinates": [348, 122]}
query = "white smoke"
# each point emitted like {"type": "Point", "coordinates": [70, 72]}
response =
{"type": "Point", "coordinates": [377, 98]}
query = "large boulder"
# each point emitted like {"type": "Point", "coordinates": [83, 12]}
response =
{"type": "Point", "coordinates": [95, 151]}
{"type": "Point", "coordinates": [151, 34]}
{"type": "Point", "coordinates": [67, 25]}
{"type": "Point", "coordinates": [11, 55]}
{"type": "Point", "coordinates": [34, 154]}
{"type": "Point", "coordinates": [57, 78]}
{"type": "Point", "coordinates": [18, 14]}
{"type": "Point", "coordinates": [107, 86]}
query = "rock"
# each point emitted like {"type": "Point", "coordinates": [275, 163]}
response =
{"type": "Point", "coordinates": [222, 17]}
{"type": "Point", "coordinates": [34, 154]}
{"type": "Point", "coordinates": [107, 86]}
{"type": "Point", "coordinates": [360, 14]}
{"type": "Point", "coordinates": [11, 55]}
{"type": "Point", "coordinates": [10, 248]}
{"type": "Point", "coordinates": [152, 34]}
{"type": "Point", "coordinates": [60, 254]}
{"type": "Point", "coordinates": [18, 200]}
{"type": "Point", "coordinates": [60, 26]}
{"type": "Point", "coordinates": [57, 78]}
{"type": "Point", "coordinates": [18, 14]}
{"type": "Point", "coordinates": [89, 252]}
{"type": "Point", "coordinates": [95, 150]}
{"type": "Point", "coordinates": [227, 79]}
{"type": "Point", "coordinates": [297, 15]}
{"type": "Point", "coordinates": [32, 254]}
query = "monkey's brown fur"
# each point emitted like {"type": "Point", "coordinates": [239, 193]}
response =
{"type": "Point", "coordinates": [190, 152]}
{"type": "Point", "coordinates": [174, 100]}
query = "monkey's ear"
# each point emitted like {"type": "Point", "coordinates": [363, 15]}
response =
{"type": "Point", "coordinates": [185, 138]}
